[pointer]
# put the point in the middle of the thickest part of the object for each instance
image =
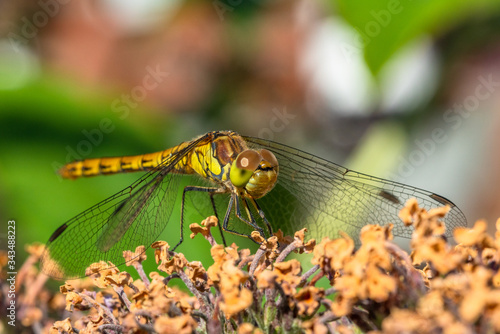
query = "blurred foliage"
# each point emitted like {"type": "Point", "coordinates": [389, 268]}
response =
{"type": "Point", "coordinates": [386, 26]}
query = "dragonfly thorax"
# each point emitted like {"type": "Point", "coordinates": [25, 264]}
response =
{"type": "Point", "coordinates": [256, 172]}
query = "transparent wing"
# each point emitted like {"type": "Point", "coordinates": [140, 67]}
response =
{"type": "Point", "coordinates": [132, 217]}
{"type": "Point", "coordinates": [327, 198]}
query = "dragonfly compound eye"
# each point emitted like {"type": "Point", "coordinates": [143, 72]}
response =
{"type": "Point", "coordinates": [269, 157]}
{"type": "Point", "coordinates": [244, 166]}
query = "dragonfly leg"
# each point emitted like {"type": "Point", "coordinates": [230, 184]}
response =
{"type": "Point", "coordinates": [209, 190]}
{"type": "Point", "coordinates": [216, 215]}
{"type": "Point", "coordinates": [225, 227]}
{"type": "Point", "coordinates": [250, 222]}
{"type": "Point", "coordinates": [262, 215]}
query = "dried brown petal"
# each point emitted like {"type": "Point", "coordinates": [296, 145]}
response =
{"type": "Point", "coordinates": [155, 276]}
{"type": "Point", "coordinates": [315, 326]}
{"type": "Point", "coordinates": [431, 304]}
{"type": "Point", "coordinates": [379, 286]}
{"type": "Point", "coordinates": [197, 274]}
{"type": "Point", "coordinates": [266, 279]}
{"type": "Point", "coordinates": [288, 275]}
{"type": "Point", "coordinates": [58, 302]}
{"type": "Point", "coordinates": [495, 317]}
{"type": "Point", "coordinates": [204, 230]}
{"type": "Point", "coordinates": [490, 256]}
{"type": "Point", "coordinates": [99, 271]}
{"type": "Point", "coordinates": [175, 264]}
{"type": "Point", "coordinates": [31, 315]}
{"type": "Point", "coordinates": [309, 246]}
{"type": "Point", "coordinates": [333, 253]}
{"type": "Point", "coordinates": [282, 239]}
{"type": "Point", "coordinates": [218, 253]}
{"type": "Point", "coordinates": [161, 250]}
{"type": "Point", "coordinates": [67, 287]}
{"type": "Point", "coordinates": [302, 247]}
{"type": "Point", "coordinates": [63, 326]}
{"type": "Point", "coordinates": [184, 304]}
{"type": "Point", "coordinates": [308, 300]}
{"type": "Point", "coordinates": [496, 280]}
{"type": "Point", "coordinates": [376, 233]}
{"type": "Point", "coordinates": [342, 306]}
{"type": "Point", "coordinates": [72, 299]}
{"type": "Point", "coordinates": [137, 256]}
{"type": "Point", "coordinates": [232, 252]}
{"type": "Point", "coordinates": [129, 323]}
{"type": "Point", "coordinates": [301, 234]}
{"type": "Point", "coordinates": [410, 210]}
{"type": "Point", "coordinates": [440, 212]}
{"type": "Point", "coordinates": [119, 279]}
{"type": "Point", "coordinates": [197, 229]}
{"type": "Point", "coordinates": [437, 252]}
{"type": "Point", "coordinates": [286, 269]}
{"type": "Point", "coordinates": [236, 301]}
{"type": "Point", "coordinates": [210, 222]}
{"type": "Point", "coordinates": [233, 276]}
{"type": "Point", "coordinates": [183, 324]}
{"type": "Point", "coordinates": [247, 328]}
{"type": "Point", "coordinates": [407, 321]}
{"type": "Point", "coordinates": [140, 297]}
{"type": "Point", "coordinates": [96, 268]}
{"type": "Point", "coordinates": [476, 299]}
{"type": "Point", "coordinates": [473, 305]}
{"type": "Point", "coordinates": [473, 236]}
{"type": "Point", "coordinates": [36, 249]}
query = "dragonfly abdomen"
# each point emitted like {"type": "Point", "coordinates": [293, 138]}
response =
{"type": "Point", "coordinates": [107, 166]}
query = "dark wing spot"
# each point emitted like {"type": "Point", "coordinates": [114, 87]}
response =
{"type": "Point", "coordinates": [390, 197]}
{"type": "Point", "coordinates": [442, 200]}
{"type": "Point", "coordinates": [58, 232]}
{"type": "Point", "coordinates": [118, 208]}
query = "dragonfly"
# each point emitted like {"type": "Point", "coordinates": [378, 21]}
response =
{"type": "Point", "coordinates": [249, 184]}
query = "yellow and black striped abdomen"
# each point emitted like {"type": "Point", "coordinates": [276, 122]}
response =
{"type": "Point", "coordinates": [209, 156]}
{"type": "Point", "coordinates": [125, 164]}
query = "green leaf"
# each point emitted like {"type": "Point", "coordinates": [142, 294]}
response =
{"type": "Point", "coordinates": [386, 26]}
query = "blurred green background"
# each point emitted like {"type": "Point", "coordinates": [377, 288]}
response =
{"type": "Point", "coordinates": [362, 83]}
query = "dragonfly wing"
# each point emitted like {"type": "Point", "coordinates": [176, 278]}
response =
{"type": "Point", "coordinates": [328, 198]}
{"type": "Point", "coordinates": [132, 217]}
{"type": "Point", "coordinates": [142, 213]}
{"type": "Point", "coordinates": [123, 216]}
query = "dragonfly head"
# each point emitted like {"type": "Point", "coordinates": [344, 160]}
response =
{"type": "Point", "coordinates": [255, 171]}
